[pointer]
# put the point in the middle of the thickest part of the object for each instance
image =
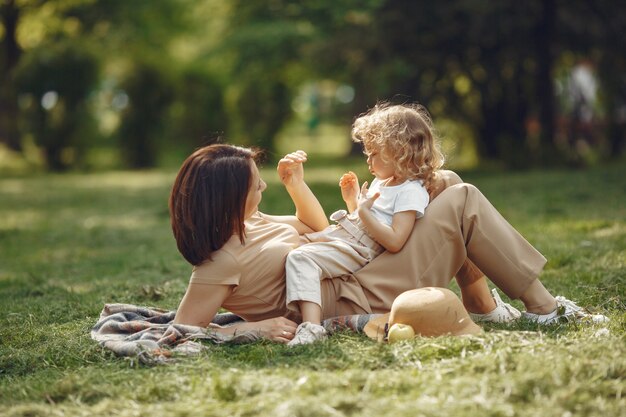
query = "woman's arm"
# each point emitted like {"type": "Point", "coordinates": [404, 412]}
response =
{"type": "Point", "coordinates": [293, 221]}
{"type": "Point", "coordinates": [308, 209]}
{"type": "Point", "coordinates": [202, 301]}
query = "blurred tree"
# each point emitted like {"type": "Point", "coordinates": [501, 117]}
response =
{"type": "Point", "coordinates": [262, 43]}
{"type": "Point", "coordinates": [149, 94]}
{"type": "Point", "coordinates": [346, 46]}
{"type": "Point", "coordinates": [199, 115]}
{"type": "Point", "coordinates": [489, 65]}
{"type": "Point", "coordinates": [122, 32]}
{"type": "Point", "coordinates": [134, 40]}
{"type": "Point", "coordinates": [261, 108]}
{"type": "Point", "coordinates": [9, 133]}
{"type": "Point", "coordinates": [55, 82]}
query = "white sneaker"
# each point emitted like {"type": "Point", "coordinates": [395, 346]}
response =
{"type": "Point", "coordinates": [566, 311]}
{"type": "Point", "coordinates": [306, 333]}
{"type": "Point", "coordinates": [503, 313]}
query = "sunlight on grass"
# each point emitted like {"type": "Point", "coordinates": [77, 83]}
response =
{"type": "Point", "coordinates": [125, 180]}
{"type": "Point", "coordinates": [613, 230]}
{"type": "Point", "coordinates": [22, 220]}
{"type": "Point", "coordinates": [128, 222]}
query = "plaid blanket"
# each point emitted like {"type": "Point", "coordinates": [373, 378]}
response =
{"type": "Point", "coordinates": [149, 334]}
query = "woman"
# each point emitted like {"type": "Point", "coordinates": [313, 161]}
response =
{"type": "Point", "coordinates": [238, 253]}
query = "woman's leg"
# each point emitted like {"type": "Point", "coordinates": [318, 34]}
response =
{"type": "Point", "coordinates": [459, 224]}
{"type": "Point", "coordinates": [537, 299]}
{"type": "Point", "coordinates": [496, 248]}
{"type": "Point", "coordinates": [474, 290]}
{"type": "Point", "coordinates": [482, 304]}
{"type": "Point", "coordinates": [471, 280]}
{"type": "Point", "coordinates": [511, 262]}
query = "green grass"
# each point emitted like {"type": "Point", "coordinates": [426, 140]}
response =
{"type": "Point", "coordinates": [70, 243]}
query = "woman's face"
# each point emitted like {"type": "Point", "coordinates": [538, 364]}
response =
{"type": "Point", "coordinates": [257, 186]}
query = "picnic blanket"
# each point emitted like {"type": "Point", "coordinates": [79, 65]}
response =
{"type": "Point", "coordinates": [149, 334]}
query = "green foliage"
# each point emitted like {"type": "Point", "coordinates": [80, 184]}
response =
{"type": "Point", "coordinates": [149, 93]}
{"type": "Point", "coordinates": [261, 108]}
{"type": "Point", "coordinates": [500, 69]}
{"type": "Point", "coordinates": [198, 115]}
{"type": "Point", "coordinates": [70, 243]}
{"type": "Point", "coordinates": [60, 77]}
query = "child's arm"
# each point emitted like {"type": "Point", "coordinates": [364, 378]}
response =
{"type": "Point", "coordinates": [391, 237]}
{"type": "Point", "coordinates": [349, 184]}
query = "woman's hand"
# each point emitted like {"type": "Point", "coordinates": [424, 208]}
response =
{"type": "Point", "coordinates": [290, 168]}
{"type": "Point", "coordinates": [278, 329]}
{"type": "Point", "coordinates": [349, 184]}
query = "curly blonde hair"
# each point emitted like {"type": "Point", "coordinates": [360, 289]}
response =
{"type": "Point", "coordinates": [403, 134]}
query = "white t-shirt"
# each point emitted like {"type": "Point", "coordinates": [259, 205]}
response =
{"type": "Point", "coordinates": [410, 195]}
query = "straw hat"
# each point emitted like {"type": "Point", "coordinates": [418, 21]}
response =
{"type": "Point", "coordinates": [430, 311]}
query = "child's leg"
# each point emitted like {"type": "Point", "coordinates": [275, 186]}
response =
{"type": "Point", "coordinates": [307, 265]}
{"type": "Point", "coordinates": [310, 311]}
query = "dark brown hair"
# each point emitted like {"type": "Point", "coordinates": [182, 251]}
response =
{"type": "Point", "coordinates": [208, 199]}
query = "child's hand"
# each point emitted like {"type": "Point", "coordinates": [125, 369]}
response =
{"type": "Point", "coordinates": [364, 201]}
{"type": "Point", "coordinates": [290, 168]}
{"type": "Point", "coordinates": [349, 184]}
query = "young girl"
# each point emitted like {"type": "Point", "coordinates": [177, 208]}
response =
{"type": "Point", "coordinates": [404, 156]}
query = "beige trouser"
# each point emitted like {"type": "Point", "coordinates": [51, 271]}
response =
{"type": "Point", "coordinates": [461, 233]}
{"type": "Point", "coordinates": [468, 273]}
{"type": "Point", "coordinates": [333, 252]}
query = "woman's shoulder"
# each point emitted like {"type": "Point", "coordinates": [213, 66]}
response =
{"type": "Point", "coordinates": [222, 268]}
{"type": "Point", "coordinates": [223, 256]}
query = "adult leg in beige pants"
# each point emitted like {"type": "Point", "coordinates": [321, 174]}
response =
{"type": "Point", "coordinates": [459, 224]}
{"type": "Point", "coordinates": [471, 280]}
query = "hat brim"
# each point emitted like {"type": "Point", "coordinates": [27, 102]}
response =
{"type": "Point", "coordinates": [376, 327]}
{"type": "Point", "coordinates": [468, 328]}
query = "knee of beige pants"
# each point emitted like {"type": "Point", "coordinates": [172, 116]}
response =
{"type": "Point", "coordinates": [468, 273]}
{"type": "Point", "coordinates": [443, 180]}
{"type": "Point", "coordinates": [495, 247]}
{"type": "Point", "coordinates": [459, 224]}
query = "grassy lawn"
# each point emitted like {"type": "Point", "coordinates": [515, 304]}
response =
{"type": "Point", "coordinates": [70, 243]}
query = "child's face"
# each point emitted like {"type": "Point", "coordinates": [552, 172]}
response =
{"type": "Point", "coordinates": [379, 168]}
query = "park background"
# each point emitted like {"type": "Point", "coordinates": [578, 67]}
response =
{"type": "Point", "coordinates": [89, 84]}
{"type": "Point", "coordinates": [101, 100]}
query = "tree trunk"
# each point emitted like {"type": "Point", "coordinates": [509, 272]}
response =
{"type": "Point", "coordinates": [544, 41]}
{"type": "Point", "coordinates": [9, 133]}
